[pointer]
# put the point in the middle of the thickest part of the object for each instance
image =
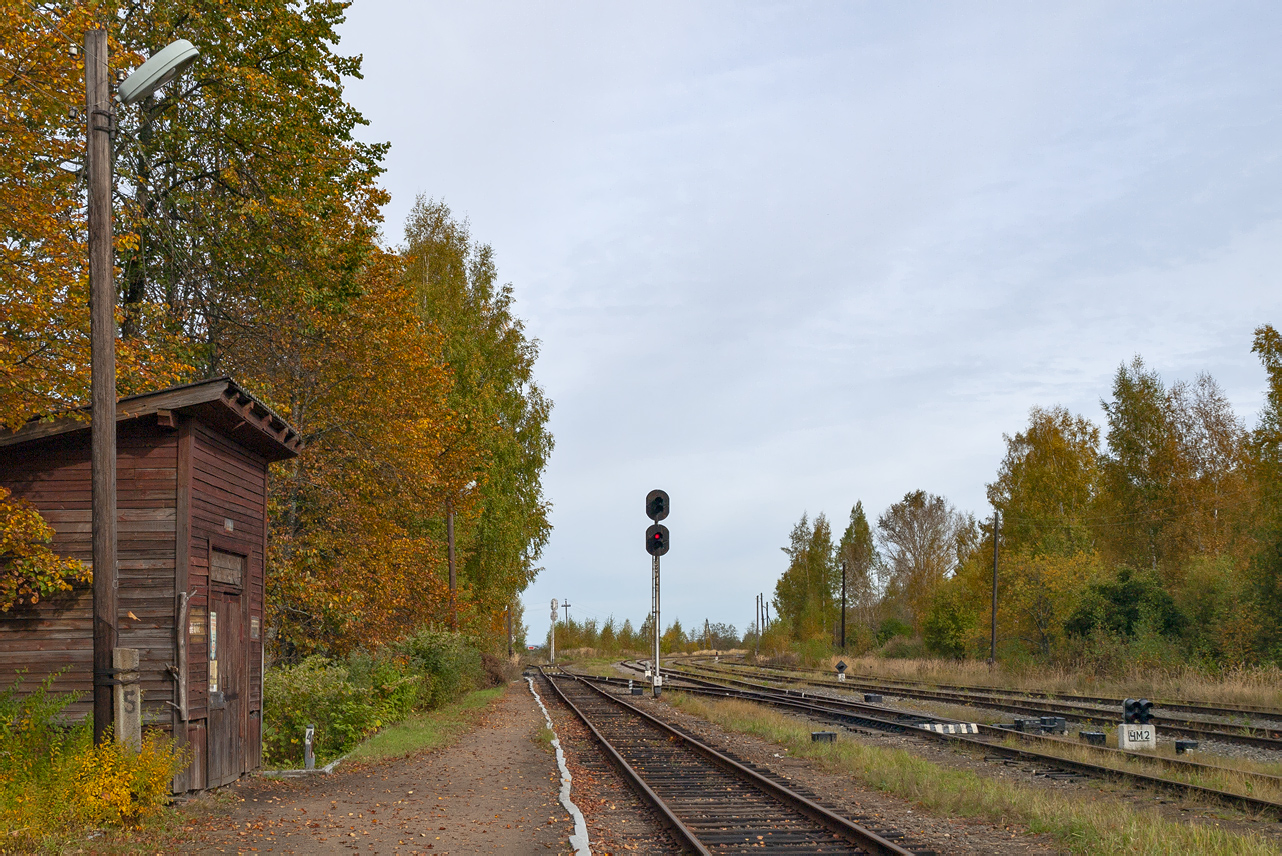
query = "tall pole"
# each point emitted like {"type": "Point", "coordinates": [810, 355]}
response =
{"type": "Point", "coordinates": [449, 540]}
{"type": "Point", "coordinates": [102, 338]}
{"type": "Point", "coordinates": [657, 681]}
{"type": "Point", "coordinates": [509, 631]}
{"type": "Point", "coordinates": [843, 606]}
{"type": "Point", "coordinates": [566, 607]}
{"type": "Point", "coordinates": [992, 639]}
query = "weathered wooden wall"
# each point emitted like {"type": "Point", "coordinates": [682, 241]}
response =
{"type": "Point", "coordinates": [53, 475]}
{"type": "Point", "coordinates": [183, 492]}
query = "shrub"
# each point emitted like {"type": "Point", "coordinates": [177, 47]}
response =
{"type": "Point", "coordinates": [903, 647]}
{"type": "Point", "coordinates": [392, 688]}
{"type": "Point", "coordinates": [316, 692]}
{"type": "Point", "coordinates": [948, 624]}
{"type": "Point", "coordinates": [54, 781]}
{"type": "Point", "coordinates": [347, 701]}
{"type": "Point", "coordinates": [892, 627]}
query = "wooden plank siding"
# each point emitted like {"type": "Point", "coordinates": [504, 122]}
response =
{"type": "Point", "coordinates": [191, 479]}
{"type": "Point", "coordinates": [54, 476]}
{"type": "Point", "coordinates": [229, 483]}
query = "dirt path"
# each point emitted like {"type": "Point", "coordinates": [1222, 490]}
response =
{"type": "Point", "coordinates": [495, 790]}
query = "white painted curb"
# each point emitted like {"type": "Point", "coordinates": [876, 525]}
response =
{"type": "Point", "coordinates": [579, 840]}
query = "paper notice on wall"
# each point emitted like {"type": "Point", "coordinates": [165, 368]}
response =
{"type": "Point", "coordinates": [213, 676]}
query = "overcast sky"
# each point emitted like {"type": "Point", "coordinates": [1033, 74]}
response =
{"type": "Point", "coordinates": [782, 257]}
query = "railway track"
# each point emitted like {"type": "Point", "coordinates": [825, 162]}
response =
{"type": "Point", "coordinates": [1257, 712]}
{"type": "Point", "coordinates": [1043, 704]}
{"type": "Point", "coordinates": [712, 803]}
{"type": "Point", "coordinates": [880, 717]}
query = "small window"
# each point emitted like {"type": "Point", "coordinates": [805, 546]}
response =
{"type": "Point", "coordinates": [226, 568]}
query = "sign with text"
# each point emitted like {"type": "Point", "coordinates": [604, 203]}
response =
{"type": "Point", "coordinates": [1132, 736]}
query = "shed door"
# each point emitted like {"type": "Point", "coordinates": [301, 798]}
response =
{"type": "Point", "coordinates": [229, 667]}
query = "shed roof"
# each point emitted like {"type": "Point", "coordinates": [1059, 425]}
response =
{"type": "Point", "coordinates": [218, 402]}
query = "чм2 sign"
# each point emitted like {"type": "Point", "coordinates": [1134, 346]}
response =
{"type": "Point", "coordinates": [1133, 736]}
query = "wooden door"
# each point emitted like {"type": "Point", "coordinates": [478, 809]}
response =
{"type": "Point", "coordinates": [229, 667]}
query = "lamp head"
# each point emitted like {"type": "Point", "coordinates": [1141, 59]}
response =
{"type": "Point", "coordinates": [157, 71]}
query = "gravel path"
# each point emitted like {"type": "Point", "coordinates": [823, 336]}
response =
{"type": "Point", "coordinates": [494, 790]}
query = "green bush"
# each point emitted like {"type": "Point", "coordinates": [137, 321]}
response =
{"type": "Point", "coordinates": [903, 648]}
{"type": "Point", "coordinates": [393, 689]}
{"type": "Point", "coordinates": [316, 692]}
{"type": "Point", "coordinates": [347, 701]}
{"type": "Point", "coordinates": [449, 665]}
{"type": "Point", "coordinates": [948, 624]}
{"type": "Point", "coordinates": [892, 627]}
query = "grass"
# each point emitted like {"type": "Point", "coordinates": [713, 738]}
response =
{"type": "Point", "coordinates": [544, 740]}
{"type": "Point", "coordinates": [426, 730]}
{"type": "Point", "coordinates": [1259, 686]}
{"type": "Point", "coordinates": [1095, 826]}
{"type": "Point", "coordinates": [1220, 777]}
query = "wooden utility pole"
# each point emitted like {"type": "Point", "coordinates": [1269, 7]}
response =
{"type": "Point", "coordinates": [449, 540]}
{"type": "Point", "coordinates": [100, 125]}
{"type": "Point", "coordinates": [509, 631]}
{"type": "Point", "coordinates": [992, 640]}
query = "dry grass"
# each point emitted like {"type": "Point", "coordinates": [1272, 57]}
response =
{"type": "Point", "coordinates": [964, 713]}
{"type": "Point", "coordinates": [1095, 826]}
{"type": "Point", "coordinates": [1221, 777]}
{"type": "Point", "coordinates": [1258, 686]}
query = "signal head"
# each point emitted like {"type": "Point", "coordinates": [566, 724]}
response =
{"type": "Point", "coordinates": [656, 505]}
{"type": "Point", "coordinates": [656, 539]}
{"type": "Point", "coordinates": [1144, 711]}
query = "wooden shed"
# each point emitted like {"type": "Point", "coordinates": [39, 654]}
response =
{"type": "Point", "coordinates": [192, 516]}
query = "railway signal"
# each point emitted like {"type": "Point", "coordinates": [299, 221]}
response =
{"type": "Point", "coordinates": [656, 505]}
{"type": "Point", "coordinates": [656, 544]}
{"type": "Point", "coordinates": [656, 540]}
{"type": "Point", "coordinates": [1137, 711]}
{"type": "Point", "coordinates": [552, 644]}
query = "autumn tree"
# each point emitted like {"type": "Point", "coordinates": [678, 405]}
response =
{"type": "Point", "coordinates": [858, 560]}
{"type": "Point", "coordinates": [920, 537]}
{"type": "Point", "coordinates": [1266, 459]}
{"type": "Point", "coordinates": [248, 228]}
{"type": "Point", "coordinates": [1047, 483]}
{"type": "Point", "coordinates": [803, 597]}
{"type": "Point", "coordinates": [502, 444]}
{"type": "Point", "coordinates": [44, 325]}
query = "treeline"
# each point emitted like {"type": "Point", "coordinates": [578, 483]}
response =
{"type": "Point", "coordinates": [611, 638]}
{"type": "Point", "coordinates": [1155, 538]}
{"type": "Point", "coordinates": [248, 244]}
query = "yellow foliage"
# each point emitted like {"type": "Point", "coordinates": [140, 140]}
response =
{"type": "Point", "coordinates": [80, 785]}
{"type": "Point", "coordinates": [1038, 593]}
{"type": "Point", "coordinates": [29, 570]}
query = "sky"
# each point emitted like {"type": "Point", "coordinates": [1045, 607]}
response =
{"type": "Point", "coordinates": [781, 257]}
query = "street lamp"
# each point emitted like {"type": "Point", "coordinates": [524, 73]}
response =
{"type": "Point", "coordinates": [149, 77]}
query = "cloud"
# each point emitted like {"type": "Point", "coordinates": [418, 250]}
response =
{"type": "Point", "coordinates": [786, 256]}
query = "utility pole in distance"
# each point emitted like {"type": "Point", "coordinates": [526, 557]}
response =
{"type": "Point", "coordinates": [656, 544]}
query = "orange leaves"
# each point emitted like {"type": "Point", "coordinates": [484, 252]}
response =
{"type": "Point", "coordinates": [29, 570]}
